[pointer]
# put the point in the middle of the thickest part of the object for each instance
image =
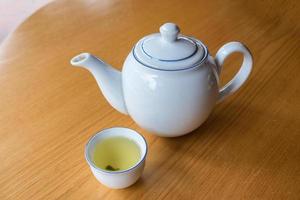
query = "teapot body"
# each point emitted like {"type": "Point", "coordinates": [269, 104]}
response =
{"type": "Point", "coordinates": [169, 103]}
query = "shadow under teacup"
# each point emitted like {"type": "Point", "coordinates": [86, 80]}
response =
{"type": "Point", "coordinates": [114, 177]}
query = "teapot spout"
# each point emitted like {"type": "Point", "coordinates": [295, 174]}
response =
{"type": "Point", "coordinates": [108, 79]}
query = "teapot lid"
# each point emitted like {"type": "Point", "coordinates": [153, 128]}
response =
{"type": "Point", "coordinates": [169, 50]}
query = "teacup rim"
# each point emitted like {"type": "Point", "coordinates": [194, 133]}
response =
{"type": "Point", "coordinates": [92, 164]}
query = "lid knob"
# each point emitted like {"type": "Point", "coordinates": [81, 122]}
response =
{"type": "Point", "coordinates": [169, 32]}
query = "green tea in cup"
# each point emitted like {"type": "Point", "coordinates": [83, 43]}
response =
{"type": "Point", "coordinates": [116, 156]}
{"type": "Point", "coordinates": [116, 153]}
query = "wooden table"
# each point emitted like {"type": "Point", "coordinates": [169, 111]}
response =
{"type": "Point", "coordinates": [249, 148]}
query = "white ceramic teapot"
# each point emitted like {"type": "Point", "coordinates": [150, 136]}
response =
{"type": "Point", "coordinates": [169, 83]}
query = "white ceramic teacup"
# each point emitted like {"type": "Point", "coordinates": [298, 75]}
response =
{"type": "Point", "coordinates": [123, 178]}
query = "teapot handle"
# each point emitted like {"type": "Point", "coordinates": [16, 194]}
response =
{"type": "Point", "coordinates": [242, 75]}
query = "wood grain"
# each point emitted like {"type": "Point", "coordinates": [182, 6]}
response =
{"type": "Point", "coordinates": [249, 148]}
